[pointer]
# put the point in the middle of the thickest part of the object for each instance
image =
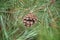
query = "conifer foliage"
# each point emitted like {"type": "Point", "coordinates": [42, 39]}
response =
{"type": "Point", "coordinates": [46, 15]}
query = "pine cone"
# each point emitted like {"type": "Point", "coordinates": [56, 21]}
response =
{"type": "Point", "coordinates": [29, 19]}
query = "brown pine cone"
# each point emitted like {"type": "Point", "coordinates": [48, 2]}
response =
{"type": "Point", "coordinates": [29, 19]}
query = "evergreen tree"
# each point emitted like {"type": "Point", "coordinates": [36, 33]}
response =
{"type": "Point", "coordinates": [47, 26]}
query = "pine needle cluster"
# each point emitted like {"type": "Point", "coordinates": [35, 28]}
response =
{"type": "Point", "coordinates": [11, 20]}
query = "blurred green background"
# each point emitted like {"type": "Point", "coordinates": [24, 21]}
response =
{"type": "Point", "coordinates": [11, 20]}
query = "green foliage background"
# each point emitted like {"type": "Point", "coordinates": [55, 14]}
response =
{"type": "Point", "coordinates": [46, 28]}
